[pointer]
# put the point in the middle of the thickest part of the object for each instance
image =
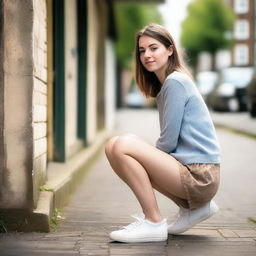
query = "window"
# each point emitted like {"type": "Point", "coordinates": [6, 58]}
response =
{"type": "Point", "coordinates": [241, 54]}
{"type": "Point", "coordinates": [241, 29]}
{"type": "Point", "coordinates": [223, 59]}
{"type": "Point", "coordinates": [241, 6]}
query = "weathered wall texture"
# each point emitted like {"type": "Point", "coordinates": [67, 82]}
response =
{"type": "Point", "coordinates": [92, 70]}
{"type": "Point", "coordinates": [2, 154]}
{"type": "Point", "coordinates": [39, 95]}
{"type": "Point", "coordinates": [71, 79]}
{"type": "Point", "coordinates": [17, 85]}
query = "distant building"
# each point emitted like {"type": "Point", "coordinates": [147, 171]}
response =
{"type": "Point", "coordinates": [242, 52]}
{"type": "Point", "coordinates": [244, 33]}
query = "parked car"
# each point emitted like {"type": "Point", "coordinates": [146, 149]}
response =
{"type": "Point", "coordinates": [135, 99]}
{"type": "Point", "coordinates": [230, 91]}
{"type": "Point", "coordinates": [206, 81]}
{"type": "Point", "coordinates": [251, 97]}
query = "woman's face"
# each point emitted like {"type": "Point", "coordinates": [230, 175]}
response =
{"type": "Point", "coordinates": [153, 54]}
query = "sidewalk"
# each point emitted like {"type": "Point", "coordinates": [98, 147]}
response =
{"type": "Point", "coordinates": [240, 122]}
{"type": "Point", "coordinates": [103, 203]}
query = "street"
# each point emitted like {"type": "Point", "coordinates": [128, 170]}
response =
{"type": "Point", "coordinates": [103, 203]}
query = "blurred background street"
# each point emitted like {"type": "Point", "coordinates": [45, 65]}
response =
{"type": "Point", "coordinates": [67, 85]}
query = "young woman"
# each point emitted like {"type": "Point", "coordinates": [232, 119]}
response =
{"type": "Point", "coordinates": [184, 164]}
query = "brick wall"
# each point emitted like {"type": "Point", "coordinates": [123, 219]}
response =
{"type": "Point", "coordinates": [39, 95]}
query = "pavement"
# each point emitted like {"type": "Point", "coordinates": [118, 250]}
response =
{"type": "Point", "coordinates": [239, 122]}
{"type": "Point", "coordinates": [103, 203]}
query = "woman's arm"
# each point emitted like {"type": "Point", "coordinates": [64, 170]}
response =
{"type": "Point", "coordinates": [173, 103]}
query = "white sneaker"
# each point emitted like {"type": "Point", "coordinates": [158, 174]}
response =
{"type": "Point", "coordinates": [186, 218]}
{"type": "Point", "coordinates": [141, 231]}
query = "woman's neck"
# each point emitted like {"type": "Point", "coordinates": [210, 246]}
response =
{"type": "Point", "coordinates": [161, 76]}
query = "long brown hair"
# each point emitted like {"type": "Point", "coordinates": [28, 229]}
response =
{"type": "Point", "coordinates": [148, 81]}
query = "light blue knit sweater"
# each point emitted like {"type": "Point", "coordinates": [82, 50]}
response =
{"type": "Point", "coordinates": [187, 130]}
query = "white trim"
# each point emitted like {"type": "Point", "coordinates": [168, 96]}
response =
{"type": "Point", "coordinates": [241, 54]}
{"type": "Point", "coordinates": [242, 29]}
{"type": "Point", "coordinates": [241, 6]}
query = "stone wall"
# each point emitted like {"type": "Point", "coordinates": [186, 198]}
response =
{"type": "Point", "coordinates": [16, 86]}
{"type": "Point", "coordinates": [39, 95]}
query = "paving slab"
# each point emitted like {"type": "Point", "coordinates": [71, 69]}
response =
{"type": "Point", "coordinates": [227, 233]}
{"type": "Point", "coordinates": [104, 203]}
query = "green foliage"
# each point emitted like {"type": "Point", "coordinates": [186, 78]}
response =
{"type": "Point", "coordinates": [43, 188]}
{"type": "Point", "coordinates": [130, 19]}
{"type": "Point", "coordinates": [253, 220]}
{"type": "Point", "coordinates": [207, 26]}
{"type": "Point", "coordinates": [54, 220]}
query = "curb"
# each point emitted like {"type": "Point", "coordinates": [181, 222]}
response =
{"type": "Point", "coordinates": [63, 179]}
{"type": "Point", "coordinates": [235, 130]}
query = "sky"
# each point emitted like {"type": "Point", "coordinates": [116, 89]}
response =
{"type": "Point", "coordinates": [174, 12]}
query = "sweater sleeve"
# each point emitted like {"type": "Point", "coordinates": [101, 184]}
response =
{"type": "Point", "coordinates": [173, 103]}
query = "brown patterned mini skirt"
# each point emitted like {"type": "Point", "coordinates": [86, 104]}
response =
{"type": "Point", "coordinates": [201, 182]}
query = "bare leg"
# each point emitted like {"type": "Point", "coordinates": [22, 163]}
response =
{"type": "Point", "coordinates": [140, 165]}
{"type": "Point", "coordinates": [178, 201]}
{"type": "Point", "coordinates": [131, 172]}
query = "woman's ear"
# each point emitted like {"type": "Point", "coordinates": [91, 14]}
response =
{"type": "Point", "coordinates": [170, 49]}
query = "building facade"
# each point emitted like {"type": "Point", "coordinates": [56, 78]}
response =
{"type": "Point", "coordinates": [57, 102]}
{"type": "Point", "coordinates": [57, 91]}
{"type": "Point", "coordinates": [243, 50]}
{"type": "Point", "coordinates": [243, 34]}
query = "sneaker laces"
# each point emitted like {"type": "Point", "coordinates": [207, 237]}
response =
{"type": "Point", "coordinates": [140, 219]}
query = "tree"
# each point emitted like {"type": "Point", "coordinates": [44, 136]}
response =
{"type": "Point", "coordinates": [207, 28]}
{"type": "Point", "coordinates": [132, 17]}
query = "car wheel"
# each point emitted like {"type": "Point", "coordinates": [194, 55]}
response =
{"type": "Point", "coordinates": [253, 109]}
{"type": "Point", "coordinates": [233, 105]}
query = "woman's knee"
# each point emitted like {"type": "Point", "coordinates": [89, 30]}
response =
{"type": "Point", "coordinates": [109, 145]}
{"type": "Point", "coordinates": [122, 144]}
